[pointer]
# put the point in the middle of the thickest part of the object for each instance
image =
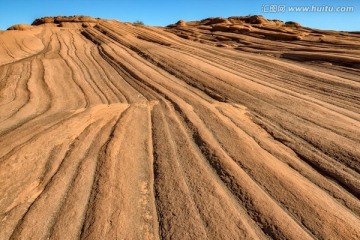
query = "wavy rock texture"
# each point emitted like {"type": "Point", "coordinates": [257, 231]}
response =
{"type": "Point", "coordinates": [245, 129]}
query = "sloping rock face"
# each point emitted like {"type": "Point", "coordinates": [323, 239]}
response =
{"type": "Point", "coordinates": [274, 38]}
{"type": "Point", "coordinates": [238, 128]}
{"type": "Point", "coordinates": [20, 27]}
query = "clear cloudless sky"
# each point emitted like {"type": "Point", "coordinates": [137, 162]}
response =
{"type": "Point", "coordinates": [162, 13]}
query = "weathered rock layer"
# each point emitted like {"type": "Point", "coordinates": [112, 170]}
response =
{"type": "Point", "coordinates": [239, 128]}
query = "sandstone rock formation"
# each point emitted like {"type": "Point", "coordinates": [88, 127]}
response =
{"type": "Point", "coordinates": [20, 27]}
{"type": "Point", "coordinates": [110, 130]}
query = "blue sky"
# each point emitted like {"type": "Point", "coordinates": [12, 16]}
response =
{"type": "Point", "coordinates": [161, 13]}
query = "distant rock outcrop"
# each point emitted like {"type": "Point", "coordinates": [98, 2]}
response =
{"type": "Point", "coordinates": [181, 23]}
{"type": "Point", "coordinates": [61, 19]}
{"type": "Point", "coordinates": [20, 27]}
{"type": "Point", "coordinates": [255, 19]}
{"type": "Point", "coordinates": [236, 28]}
{"type": "Point", "coordinates": [218, 20]}
{"type": "Point", "coordinates": [292, 24]}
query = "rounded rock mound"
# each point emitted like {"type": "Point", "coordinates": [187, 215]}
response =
{"type": "Point", "coordinates": [20, 27]}
{"type": "Point", "coordinates": [217, 20]}
{"type": "Point", "coordinates": [181, 23]}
